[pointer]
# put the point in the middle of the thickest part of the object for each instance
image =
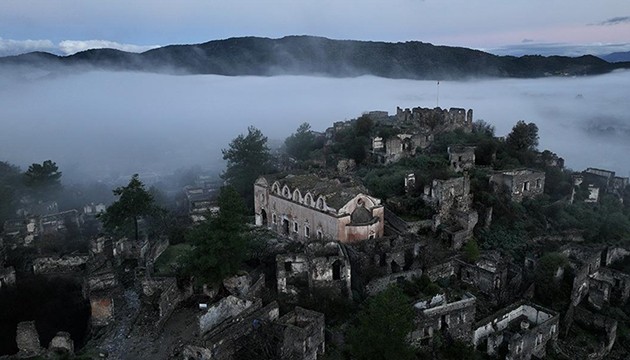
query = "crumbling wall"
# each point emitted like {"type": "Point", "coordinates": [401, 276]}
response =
{"type": "Point", "coordinates": [453, 318]}
{"type": "Point", "coordinates": [441, 271]}
{"type": "Point", "coordinates": [292, 273]}
{"type": "Point", "coordinates": [224, 340]}
{"type": "Point", "coordinates": [615, 254]}
{"type": "Point", "coordinates": [378, 285]}
{"type": "Point", "coordinates": [7, 277]}
{"type": "Point", "coordinates": [437, 119]}
{"type": "Point", "coordinates": [519, 184]}
{"type": "Point", "coordinates": [102, 309]}
{"type": "Point", "coordinates": [65, 264]}
{"type": "Point", "coordinates": [27, 339]}
{"type": "Point", "coordinates": [461, 158]}
{"type": "Point", "coordinates": [225, 309]}
{"type": "Point", "coordinates": [302, 334]}
{"type": "Point", "coordinates": [169, 294]}
{"type": "Point", "coordinates": [62, 343]}
{"type": "Point", "coordinates": [537, 326]}
{"type": "Point", "coordinates": [602, 324]}
{"type": "Point", "coordinates": [319, 268]}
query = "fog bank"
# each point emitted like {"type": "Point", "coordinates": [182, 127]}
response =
{"type": "Point", "coordinates": [102, 124]}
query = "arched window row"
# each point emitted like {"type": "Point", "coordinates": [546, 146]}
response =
{"type": "Point", "coordinates": [296, 196]}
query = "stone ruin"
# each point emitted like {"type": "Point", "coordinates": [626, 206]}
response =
{"type": "Point", "coordinates": [524, 327]}
{"type": "Point", "coordinates": [437, 119]}
{"type": "Point", "coordinates": [29, 346]}
{"type": "Point", "coordinates": [322, 266]}
{"type": "Point", "coordinates": [438, 315]}
{"type": "Point", "coordinates": [452, 202]}
{"type": "Point", "coordinates": [519, 184]}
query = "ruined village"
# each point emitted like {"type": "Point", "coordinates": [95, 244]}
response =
{"type": "Point", "coordinates": [417, 234]}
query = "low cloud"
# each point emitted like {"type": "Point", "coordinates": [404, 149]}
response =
{"type": "Point", "coordinates": [9, 47]}
{"type": "Point", "coordinates": [562, 49]}
{"type": "Point", "coordinates": [614, 21]}
{"type": "Point", "coordinates": [14, 47]}
{"type": "Point", "coordinates": [69, 47]}
{"type": "Point", "coordinates": [101, 125]}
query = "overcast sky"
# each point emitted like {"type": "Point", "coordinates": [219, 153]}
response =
{"type": "Point", "coordinates": [567, 27]}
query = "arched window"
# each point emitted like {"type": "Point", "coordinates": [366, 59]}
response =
{"type": "Point", "coordinates": [320, 203]}
{"type": "Point", "coordinates": [275, 188]}
{"type": "Point", "coordinates": [286, 192]}
{"type": "Point", "coordinates": [296, 195]}
{"type": "Point", "coordinates": [308, 200]}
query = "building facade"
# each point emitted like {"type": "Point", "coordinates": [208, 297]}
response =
{"type": "Point", "coordinates": [303, 207]}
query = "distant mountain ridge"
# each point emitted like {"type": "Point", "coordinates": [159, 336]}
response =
{"type": "Point", "coordinates": [309, 55]}
{"type": "Point", "coordinates": [617, 57]}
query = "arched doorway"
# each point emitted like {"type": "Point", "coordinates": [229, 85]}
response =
{"type": "Point", "coordinates": [285, 226]}
{"type": "Point", "coordinates": [263, 214]}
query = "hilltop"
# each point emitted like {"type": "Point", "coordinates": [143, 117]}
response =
{"type": "Point", "coordinates": [309, 55]}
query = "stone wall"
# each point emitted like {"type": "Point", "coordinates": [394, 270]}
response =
{"type": "Point", "coordinates": [322, 266]}
{"type": "Point", "coordinates": [614, 254]}
{"type": "Point", "coordinates": [437, 119]}
{"type": "Point", "coordinates": [454, 318]}
{"type": "Point", "coordinates": [441, 271]}
{"type": "Point", "coordinates": [27, 339]}
{"type": "Point", "coordinates": [169, 297]}
{"type": "Point", "coordinates": [302, 334]}
{"type": "Point", "coordinates": [65, 264]}
{"type": "Point", "coordinates": [62, 343]}
{"type": "Point", "coordinates": [519, 184]}
{"type": "Point", "coordinates": [380, 284]}
{"type": "Point", "coordinates": [461, 158]}
{"type": "Point", "coordinates": [102, 309]}
{"type": "Point", "coordinates": [604, 325]}
{"type": "Point", "coordinates": [7, 277]}
{"type": "Point", "coordinates": [226, 308]}
{"type": "Point", "coordinates": [525, 327]}
{"type": "Point", "coordinates": [225, 341]}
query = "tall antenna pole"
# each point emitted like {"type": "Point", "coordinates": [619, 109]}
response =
{"type": "Point", "coordinates": [438, 94]}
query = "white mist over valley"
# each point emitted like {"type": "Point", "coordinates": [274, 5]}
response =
{"type": "Point", "coordinates": [105, 124]}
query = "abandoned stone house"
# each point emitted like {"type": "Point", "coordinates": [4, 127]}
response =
{"type": "Point", "coordinates": [492, 273]}
{"type": "Point", "coordinates": [298, 334]}
{"type": "Point", "coordinates": [92, 209]}
{"type": "Point", "coordinates": [304, 207]}
{"type": "Point", "coordinates": [608, 286]}
{"type": "Point", "coordinates": [606, 180]}
{"type": "Point", "coordinates": [40, 208]}
{"type": "Point", "coordinates": [594, 281]}
{"type": "Point", "coordinates": [323, 266]}
{"type": "Point", "coordinates": [405, 144]}
{"type": "Point", "coordinates": [461, 158]}
{"type": "Point", "coordinates": [520, 331]}
{"type": "Point", "coordinates": [452, 318]}
{"type": "Point", "coordinates": [519, 184]}
{"type": "Point", "coordinates": [452, 202]}
{"type": "Point", "coordinates": [602, 327]}
{"type": "Point", "coordinates": [25, 231]}
{"type": "Point", "coordinates": [199, 201]}
{"type": "Point", "coordinates": [384, 261]}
